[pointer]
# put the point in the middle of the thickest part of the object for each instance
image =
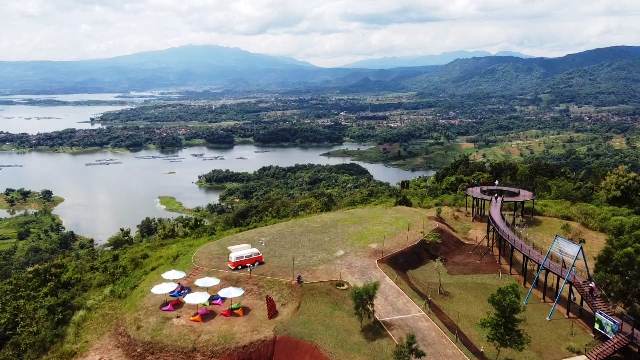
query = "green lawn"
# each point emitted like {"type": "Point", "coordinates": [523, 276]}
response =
{"type": "Point", "coordinates": [319, 242]}
{"type": "Point", "coordinates": [466, 303]}
{"type": "Point", "coordinates": [171, 204]}
{"type": "Point", "coordinates": [326, 318]}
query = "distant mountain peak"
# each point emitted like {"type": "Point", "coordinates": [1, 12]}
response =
{"type": "Point", "coordinates": [426, 60]}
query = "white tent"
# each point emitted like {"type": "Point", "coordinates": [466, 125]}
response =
{"type": "Point", "coordinates": [207, 282]}
{"type": "Point", "coordinates": [164, 288]}
{"type": "Point", "coordinates": [173, 275]}
{"type": "Point", "coordinates": [196, 298]}
{"type": "Point", "coordinates": [231, 292]}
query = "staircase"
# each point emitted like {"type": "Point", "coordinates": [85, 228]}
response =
{"type": "Point", "coordinates": [608, 347]}
{"type": "Point", "coordinates": [596, 302]}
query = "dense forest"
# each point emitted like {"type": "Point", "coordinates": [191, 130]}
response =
{"type": "Point", "coordinates": [600, 77]}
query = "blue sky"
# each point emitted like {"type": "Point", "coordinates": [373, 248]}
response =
{"type": "Point", "coordinates": [324, 32]}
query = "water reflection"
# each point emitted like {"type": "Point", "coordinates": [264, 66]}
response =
{"type": "Point", "coordinates": [100, 199]}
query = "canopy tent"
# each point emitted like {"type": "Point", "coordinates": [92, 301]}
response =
{"type": "Point", "coordinates": [173, 275]}
{"type": "Point", "coordinates": [231, 292]}
{"type": "Point", "coordinates": [196, 298]}
{"type": "Point", "coordinates": [164, 288]}
{"type": "Point", "coordinates": [207, 282]}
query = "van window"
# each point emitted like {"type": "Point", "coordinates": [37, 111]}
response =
{"type": "Point", "coordinates": [255, 254]}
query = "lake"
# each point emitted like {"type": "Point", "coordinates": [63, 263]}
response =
{"type": "Point", "coordinates": [102, 198]}
{"type": "Point", "coordinates": [35, 119]}
{"type": "Point", "coordinates": [32, 119]}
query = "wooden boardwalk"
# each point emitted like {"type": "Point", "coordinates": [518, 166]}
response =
{"type": "Point", "coordinates": [596, 301]}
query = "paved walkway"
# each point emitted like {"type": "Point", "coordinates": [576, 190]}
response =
{"type": "Point", "coordinates": [401, 316]}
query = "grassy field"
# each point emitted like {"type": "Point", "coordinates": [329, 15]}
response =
{"type": "Point", "coordinates": [310, 313]}
{"type": "Point", "coordinates": [317, 312]}
{"type": "Point", "coordinates": [326, 318]}
{"type": "Point", "coordinates": [318, 243]}
{"type": "Point", "coordinates": [170, 203]}
{"type": "Point", "coordinates": [466, 304]}
{"type": "Point", "coordinates": [532, 142]}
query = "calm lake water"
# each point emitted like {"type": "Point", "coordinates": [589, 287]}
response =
{"type": "Point", "coordinates": [100, 199]}
{"type": "Point", "coordinates": [31, 119]}
{"type": "Point", "coordinates": [36, 119]}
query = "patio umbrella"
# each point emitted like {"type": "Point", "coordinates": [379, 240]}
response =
{"type": "Point", "coordinates": [231, 292]}
{"type": "Point", "coordinates": [207, 282]}
{"type": "Point", "coordinates": [173, 275]}
{"type": "Point", "coordinates": [164, 288]}
{"type": "Point", "coordinates": [197, 298]}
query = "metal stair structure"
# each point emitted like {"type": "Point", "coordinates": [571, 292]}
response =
{"type": "Point", "coordinates": [609, 347]}
{"type": "Point", "coordinates": [595, 300]}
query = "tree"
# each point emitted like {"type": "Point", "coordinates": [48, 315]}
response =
{"type": "Point", "coordinates": [169, 141]}
{"type": "Point", "coordinates": [503, 323]}
{"type": "Point", "coordinates": [363, 300]}
{"type": "Point", "coordinates": [46, 195]}
{"type": "Point", "coordinates": [147, 227]}
{"type": "Point", "coordinates": [621, 188]}
{"type": "Point", "coordinates": [403, 200]}
{"type": "Point", "coordinates": [122, 239]}
{"type": "Point", "coordinates": [618, 270]}
{"type": "Point", "coordinates": [23, 194]}
{"type": "Point", "coordinates": [408, 349]}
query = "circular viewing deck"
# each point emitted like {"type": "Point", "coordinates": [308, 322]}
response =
{"type": "Point", "coordinates": [508, 194]}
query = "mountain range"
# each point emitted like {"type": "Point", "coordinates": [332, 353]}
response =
{"type": "Point", "coordinates": [603, 76]}
{"type": "Point", "coordinates": [425, 60]}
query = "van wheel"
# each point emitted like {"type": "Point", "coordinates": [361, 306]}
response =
{"type": "Point", "coordinates": [238, 267]}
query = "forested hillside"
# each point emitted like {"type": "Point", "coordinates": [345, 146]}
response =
{"type": "Point", "coordinates": [606, 76]}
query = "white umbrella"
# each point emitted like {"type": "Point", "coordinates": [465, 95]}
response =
{"type": "Point", "coordinates": [164, 288]}
{"type": "Point", "coordinates": [197, 298]}
{"type": "Point", "coordinates": [231, 292]}
{"type": "Point", "coordinates": [173, 275]}
{"type": "Point", "coordinates": [207, 282]}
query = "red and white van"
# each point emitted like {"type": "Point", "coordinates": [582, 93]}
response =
{"type": "Point", "coordinates": [244, 255]}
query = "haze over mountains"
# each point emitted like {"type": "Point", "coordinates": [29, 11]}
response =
{"type": "Point", "coordinates": [425, 60]}
{"type": "Point", "coordinates": [604, 75]}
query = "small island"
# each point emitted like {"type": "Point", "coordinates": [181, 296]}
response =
{"type": "Point", "coordinates": [171, 204]}
{"type": "Point", "coordinates": [23, 199]}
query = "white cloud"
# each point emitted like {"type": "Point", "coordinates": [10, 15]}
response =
{"type": "Point", "coordinates": [326, 32]}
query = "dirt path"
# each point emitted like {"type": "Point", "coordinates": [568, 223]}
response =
{"type": "Point", "coordinates": [398, 313]}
